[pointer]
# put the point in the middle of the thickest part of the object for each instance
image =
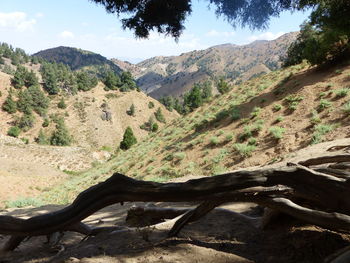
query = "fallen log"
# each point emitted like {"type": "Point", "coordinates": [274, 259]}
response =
{"type": "Point", "coordinates": [326, 196]}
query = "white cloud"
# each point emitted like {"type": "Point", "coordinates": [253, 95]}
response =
{"type": "Point", "coordinates": [153, 46]}
{"type": "Point", "coordinates": [214, 33]}
{"type": "Point", "coordinates": [265, 36]}
{"type": "Point", "coordinates": [39, 15]}
{"type": "Point", "coordinates": [16, 21]}
{"type": "Point", "coordinates": [66, 34]}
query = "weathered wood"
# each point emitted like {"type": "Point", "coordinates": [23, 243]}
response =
{"type": "Point", "coordinates": [274, 188]}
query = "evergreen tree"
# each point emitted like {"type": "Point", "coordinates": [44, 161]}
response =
{"type": "Point", "coordinates": [223, 86]}
{"type": "Point", "coordinates": [30, 79]}
{"type": "Point", "coordinates": [193, 99]}
{"type": "Point", "coordinates": [42, 138]}
{"type": "Point", "coordinates": [128, 139]}
{"type": "Point", "coordinates": [60, 137]}
{"type": "Point", "coordinates": [50, 83]}
{"type": "Point", "coordinates": [127, 82]}
{"type": "Point", "coordinates": [9, 105]}
{"type": "Point", "coordinates": [131, 110]}
{"type": "Point", "coordinates": [25, 102]}
{"type": "Point", "coordinates": [62, 104]}
{"type": "Point", "coordinates": [26, 122]}
{"type": "Point", "coordinates": [111, 80]}
{"type": "Point", "coordinates": [39, 101]}
{"type": "Point", "coordinates": [85, 82]}
{"type": "Point", "coordinates": [14, 131]}
{"type": "Point", "coordinates": [18, 79]}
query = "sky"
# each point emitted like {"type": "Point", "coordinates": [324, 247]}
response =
{"type": "Point", "coordinates": [35, 25]}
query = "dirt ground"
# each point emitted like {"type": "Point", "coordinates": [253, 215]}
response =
{"type": "Point", "coordinates": [218, 237]}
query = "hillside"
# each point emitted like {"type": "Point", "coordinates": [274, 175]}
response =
{"type": "Point", "coordinates": [83, 115]}
{"type": "Point", "coordinates": [161, 76]}
{"type": "Point", "coordinates": [259, 122]}
{"type": "Point", "coordinates": [78, 59]}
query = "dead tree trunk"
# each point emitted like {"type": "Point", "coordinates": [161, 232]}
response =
{"type": "Point", "coordinates": [322, 199]}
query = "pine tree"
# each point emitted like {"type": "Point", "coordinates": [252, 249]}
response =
{"type": "Point", "coordinates": [42, 138]}
{"type": "Point", "coordinates": [223, 86]}
{"type": "Point", "coordinates": [18, 79]}
{"type": "Point", "coordinates": [60, 136]}
{"type": "Point", "coordinates": [9, 105]}
{"type": "Point", "coordinates": [62, 104]}
{"type": "Point", "coordinates": [131, 110]}
{"type": "Point", "coordinates": [30, 79]}
{"type": "Point", "coordinates": [128, 139]}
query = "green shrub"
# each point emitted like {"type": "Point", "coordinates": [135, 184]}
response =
{"type": "Point", "coordinates": [279, 119]}
{"type": "Point", "coordinates": [150, 105]}
{"type": "Point", "coordinates": [346, 108]}
{"type": "Point", "coordinates": [319, 131]}
{"type": "Point", "coordinates": [277, 107]}
{"type": "Point", "coordinates": [179, 156]}
{"type": "Point", "coordinates": [277, 132]}
{"type": "Point", "coordinates": [14, 131]}
{"type": "Point", "coordinates": [214, 140]}
{"type": "Point", "coordinates": [42, 139]}
{"type": "Point", "coordinates": [252, 141]}
{"type": "Point", "coordinates": [9, 105]}
{"type": "Point", "coordinates": [154, 127]}
{"type": "Point", "coordinates": [61, 104]}
{"type": "Point", "coordinates": [255, 112]}
{"type": "Point", "coordinates": [159, 115]}
{"type": "Point", "coordinates": [324, 104]}
{"type": "Point", "coordinates": [245, 150]}
{"type": "Point", "coordinates": [315, 118]}
{"type": "Point", "coordinates": [46, 122]}
{"type": "Point", "coordinates": [235, 113]}
{"type": "Point", "coordinates": [60, 137]}
{"type": "Point", "coordinates": [339, 93]}
{"type": "Point", "coordinates": [228, 137]}
{"type": "Point", "coordinates": [128, 139]}
{"type": "Point", "coordinates": [131, 111]}
{"type": "Point", "coordinates": [293, 101]}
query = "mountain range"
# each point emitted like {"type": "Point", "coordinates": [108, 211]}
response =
{"type": "Point", "coordinates": [174, 75]}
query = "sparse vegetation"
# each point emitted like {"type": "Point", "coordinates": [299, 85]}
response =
{"type": "Point", "coordinates": [159, 115]}
{"type": "Point", "coordinates": [14, 131]}
{"type": "Point", "coordinates": [319, 131]}
{"type": "Point", "coordinates": [277, 132]}
{"type": "Point", "coordinates": [245, 150]}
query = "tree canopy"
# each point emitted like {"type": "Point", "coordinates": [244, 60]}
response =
{"type": "Point", "coordinates": [168, 16]}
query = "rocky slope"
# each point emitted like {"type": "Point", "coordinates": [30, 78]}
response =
{"type": "Point", "coordinates": [161, 76]}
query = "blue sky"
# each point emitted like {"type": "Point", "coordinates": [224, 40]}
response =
{"type": "Point", "coordinates": [40, 24]}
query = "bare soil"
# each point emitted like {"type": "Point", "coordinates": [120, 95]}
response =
{"type": "Point", "coordinates": [218, 237]}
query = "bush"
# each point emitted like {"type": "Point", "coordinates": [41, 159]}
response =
{"type": "Point", "coordinates": [154, 127]}
{"type": "Point", "coordinates": [223, 86]}
{"type": "Point", "coordinates": [128, 139]}
{"type": "Point", "coordinates": [293, 101]}
{"type": "Point", "coordinates": [46, 122]}
{"type": "Point", "coordinates": [60, 137]}
{"type": "Point", "coordinates": [277, 107]}
{"type": "Point", "coordinates": [150, 105]}
{"type": "Point", "coordinates": [315, 119]}
{"type": "Point", "coordinates": [26, 122]}
{"type": "Point", "coordinates": [214, 140]}
{"type": "Point", "coordinates": [131, 111]}
{"type": "Point", "coordinates": [339, 93]}
{"type": "Point", "coordinates": [245, 150]}
{"type": "Point", "coordinates": [324, 104]}
{"type": "Point", "coordinates": [235, 113]}
{"type": "Point", "coordinates": [277, 132]}
{"type": "Point", "coordinates": [319, 131]}
{"type": "Point", "coordinates": [9, 105]}
{"type": "Point", "coordinates": [346, 108]}
{"type": "Point", "coordinates": [255, 112]}
{"type": "Point", "coordinates": [279, 119]}
{"type": "Point", "coordinates": [42, 139]}
{"type": "Point", "coordinates": [159, 115]}
{"type": "Point", "coordinates": [62, 104]}
{"type": "Point", "coordinates": [14, 131]}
